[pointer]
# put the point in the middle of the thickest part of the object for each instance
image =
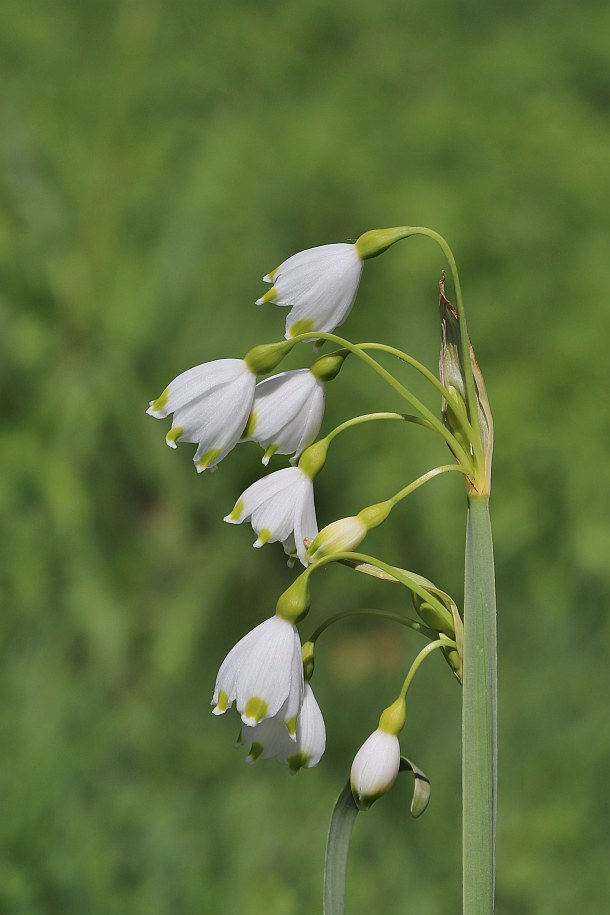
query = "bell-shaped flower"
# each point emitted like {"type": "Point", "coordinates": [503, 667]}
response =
{"type": "Point", "coordinates": [375, 768]}
{"type": "Point", "coordinates": [211, 404]}
{"type": "Point", "coordinates": [263, 675]}
{"type": "Point", "coordinates": [271, 738]}
{"type": "Point", "coordinates": [281, 507]}
{"type": "Point", "coordinates": [287, 413]}
{"type": "Point", "coordinates": [320, 284]}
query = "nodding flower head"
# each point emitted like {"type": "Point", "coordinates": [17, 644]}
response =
{"type": "Point", "coordinates": [211, 404]}
{"type": "Point", "coordinates": [320, 284]}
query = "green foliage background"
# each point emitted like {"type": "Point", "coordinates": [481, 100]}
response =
{"type": "Point", "coordinates": [157, 158]}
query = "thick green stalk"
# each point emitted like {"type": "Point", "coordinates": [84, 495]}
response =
{"type": "Point", "coordinates": [479, 714]}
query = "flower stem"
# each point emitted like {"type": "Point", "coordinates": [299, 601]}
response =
{"type": "Point", "coordinates": [421, 657]}
{"type": "Point", "coordinates": [479, 714]}
{"type": "Point", "coordinates": [380, 614]}
{"type": "Point", "coordinates": [429, 475]}
{"type": "Point", "coordinates": [370, 417]}
{"type": "Point", "coordinates": [458, 450]}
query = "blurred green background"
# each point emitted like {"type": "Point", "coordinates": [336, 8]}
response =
{"type": "Point", "coordinates": [157, 158]}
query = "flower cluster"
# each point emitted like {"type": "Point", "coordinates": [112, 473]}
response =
{"type": "Point", "coordinates": [222, 403]}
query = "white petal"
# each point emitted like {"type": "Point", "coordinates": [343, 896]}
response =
{"type": "Point", "coordinates": [375, 766]}
{"type": "Point", "coordinates": [200, 379]}
{"type": "Point", "coordinates": [311, 731]}
{"type": "Point", "coordinates": [272, 735]}
{"type": "Point", "coordinates": [288, 408]}
{"type": "Point", "coordinates": [305, 523]}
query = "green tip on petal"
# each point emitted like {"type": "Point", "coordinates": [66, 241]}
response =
{"type": "Point", "coordinates": [173, 435]}
{"type": "Point", "coordinates": [269, 296]}
{"type": "Point", "coordinates": [297, 761]}
{"type": "Point", "coordinates": [222, 704]}
{"type": "Point", "coordinates": [255, 710]}
{"type": "Point", "coordinates": [250, 426]}
{"type": "Point", "coordinates": [206, 459]}
{"type": "Point", "coordinates": [291, 724]}
{"type": "Point", "coordinates": [306, 326]}
{"type": "Point", "coordinates": [269, 452]}
{"type": "Point", "coordinates": [263, 537]}
{"type": "Point", "coordinates": [235, 515]}
{"type": "Point", "coordinates": [157, 405]}
{"type": "Point", "coordinates": [255, 751]}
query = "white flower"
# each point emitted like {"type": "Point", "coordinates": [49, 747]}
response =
{"type": "Point", "coordinates": [287, 412]}
{"type": "Point", "coordinates": [320, 284]}
{"type": "Point", "coordinates": [281, 507]}
{"type": "Point", "coordinates": [211, 404]}
{"type": "Point", "coordinates": [337, 537]}
{"type": "Point", "coordinates": [270, 738]}
{"type": "Point", "coordinates": [375, 767]}
{"type": "Point", "coordinates": [263, 675]}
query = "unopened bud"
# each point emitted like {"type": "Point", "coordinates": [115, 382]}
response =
{"type": "Point", "coordinates": [433, 617]}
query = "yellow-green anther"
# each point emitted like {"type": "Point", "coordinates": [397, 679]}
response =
{"type": "Point", "coordinates": [313, 458]}
{"type": "Point", "coordinates": [393, 718]}
{"type": "Point", "coordinates": [376, 241]}
{"type": "Point", "coordinates": [328, 367]}
{"type": "Point", "coordinates": [265, 357]}
{"type": "Point", "coordinates": [308, 660]}
{"type": "Point", "coordinates": [374, 515]}
{"type": "Point", "coordinates": [295, 602]}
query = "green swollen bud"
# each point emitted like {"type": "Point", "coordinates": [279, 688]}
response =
{"type": "Point", "coordinates": [313, 458]}
{"type": "Point", "coordinates": [393, 718]}
{"type": "Point", "coordinates": [295, 602]}
{"type": "Point", "coordinates": [434, 617]}
{"type": "Point", "coordinates": [308, 660]}
{"type": "Point", "coordinates": [452, 656]}
{"type": "Point", "coordinates": [328, 367]}
{"type": "Point", "coordinates": [376, 241]}
{"type": "Point", "coordinates": [346, 534]}
{"type": "Point", "coordinates": [265, 357]}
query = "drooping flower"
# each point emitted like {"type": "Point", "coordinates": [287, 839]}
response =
{"type": "Point", "coordinates": [320, 284]}
{"type": "Point", "coordinates": [211, 404]}
{"type": "Point", "coordinates": [281, 507]}
{"type": "Point", "coordinates": [287, 412]}
{"type": "Point", "coordinates": [270, 738]}
{"type": "Point", "coordinates": [263, 675]}
{"type": "Point", "coordinates": [375, 767]}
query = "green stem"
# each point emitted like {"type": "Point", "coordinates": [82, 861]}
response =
{"type": "Point", "coordinates": [435, 472]}
{"type": "Point", "coordinates": [459, 451]}
{"type": "Point", "coordinates": [421, 657]}
{"type": "Point", "coordinates": [337, 847]}
{"type": "Point", "coordinates": [381, 614]}
{"type": "Point", "coordinates": [370, 417]}
{"type": "Point", "coordinates": [479, 715]}
{"type": "Point", "coordinates": [401, 575]}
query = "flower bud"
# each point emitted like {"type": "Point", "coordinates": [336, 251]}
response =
{"type": "Point", "coordinates": [346, 534]}
{"type": "Point", "coordinates": [375, 768]}
{"type": "Point", "coordinates": [432, 616]}
{"type": "Point", "coordinates": [264, 358]}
